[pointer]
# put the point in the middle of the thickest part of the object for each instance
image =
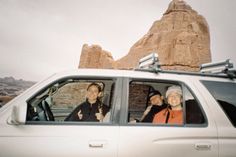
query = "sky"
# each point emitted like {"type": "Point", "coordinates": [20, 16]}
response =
{"type": "Point", "coordinates": [39, 38]}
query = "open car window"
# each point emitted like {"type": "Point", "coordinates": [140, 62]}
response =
{"type": "Point", "coordinates": [57, 101]}
{"type": "Point", "coordinates": [142, 111]}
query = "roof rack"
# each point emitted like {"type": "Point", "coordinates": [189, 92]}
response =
{"type": "Point", "coordinates": [150, 63]}
{"type": "Point", "coordinates": [216, 68]}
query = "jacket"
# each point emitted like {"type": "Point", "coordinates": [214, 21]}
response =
{"type": "Point", "coordinates": [88, 112]}
{"type": "Point", "coordinates": [169, 116]}
{"type": "Point", "coordinates": [154, 110]}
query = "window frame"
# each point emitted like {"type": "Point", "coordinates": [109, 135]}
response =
{"type": "Point", "coordinates": [83, 78]}
{"type": "Point", "coordinates": [216, 100]}
{"type": "Point", "coordinates": [183, 86]}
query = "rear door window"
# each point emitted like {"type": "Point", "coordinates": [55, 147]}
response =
{"type": "Point", "coordinates": [148, 103]}
{"type": "Point", "coordinates": [225, 94]}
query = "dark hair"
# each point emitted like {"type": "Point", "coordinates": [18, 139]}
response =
{"type": "Point", "coordinates": [95, 84]}
{"type": "Point", "coordinates": [152, 93]}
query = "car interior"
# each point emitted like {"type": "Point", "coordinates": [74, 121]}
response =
{"type": "Point", "coordinates": [137, 105]}
{"type": "Point", "coordinates": [58, 100]}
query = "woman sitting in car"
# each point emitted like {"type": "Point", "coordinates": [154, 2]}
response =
{"type": "Point", "coordinates": [173, 114]}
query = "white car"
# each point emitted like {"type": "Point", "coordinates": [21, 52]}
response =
{"type": "Point", "coordinates": [33, 124]}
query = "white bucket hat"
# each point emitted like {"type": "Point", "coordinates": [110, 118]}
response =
{"type": "Point", "coordinates": [175, 89]}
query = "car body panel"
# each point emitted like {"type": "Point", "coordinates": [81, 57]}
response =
{"type": "Point", "coordinates": [167, 141]}
{"type": "Point", "coordinates": [118, 138]}
{"type": "Point", "coordinates": [58, 140]}
{"type": "Point", "coordinates": [225, 130]}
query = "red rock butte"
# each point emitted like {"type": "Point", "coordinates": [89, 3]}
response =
{"type": "Point", "coordinates": [181, 38]}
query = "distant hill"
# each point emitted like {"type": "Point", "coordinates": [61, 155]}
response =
{"type": "Point", "coordinates": [11, 87]}
{"type": "Point", "coordinates": [11, 81]}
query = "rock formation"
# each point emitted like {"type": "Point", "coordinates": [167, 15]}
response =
{"type": "Point", "coordinates": [94, 57]}
{"type": "Point", "coordinates": [181, 38]}
{"type": "Point", "coordinates": [11, 87]}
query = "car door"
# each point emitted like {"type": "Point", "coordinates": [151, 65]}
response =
{"type": "Point", "coordinates": [58, 138]}
{"type": "Point", "coordinates": [224, 108]}
{"type": "Point", "coordinates": [194, 138]}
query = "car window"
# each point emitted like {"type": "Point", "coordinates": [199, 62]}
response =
{"type": "Point", "coordinates": [193, 111]}
{"type": "Point", "coordinates": [149, 103]}
{"type": "Point", "coordinates": [224, 93]}
{"type": "Point", "coordinates": [72, 100]}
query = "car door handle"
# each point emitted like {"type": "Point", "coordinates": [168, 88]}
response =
{"type": "Point", "coordinates": [203, 146]}
{"type": "Point", "coordinates": [97, 144]}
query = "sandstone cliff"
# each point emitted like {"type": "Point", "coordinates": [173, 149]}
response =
{"type": "Point", "coordinates": [181, 38]}
{"type": "Point", "coordinates": [94, 57]}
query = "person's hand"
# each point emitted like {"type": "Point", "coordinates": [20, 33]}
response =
{"type": "Point", "coordinates": [132, 120]}
{"type": "Point", "coordinates": [80, 115]}
{"type": "Point", "coordinates": [99, 116]}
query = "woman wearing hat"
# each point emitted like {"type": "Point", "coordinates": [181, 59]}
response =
{"type": "Point", "coordinates": [174, 114]}
{"type": "Point", "coordinates": [157, 104]}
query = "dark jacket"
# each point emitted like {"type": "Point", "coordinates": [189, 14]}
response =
{"type": "Point", "coordinates": [88, 111]}
{"type": "Point", "coordinates": [154, 110]}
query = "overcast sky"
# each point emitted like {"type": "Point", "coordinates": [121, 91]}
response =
{"type": "Point", "coordinates": [41, 37]}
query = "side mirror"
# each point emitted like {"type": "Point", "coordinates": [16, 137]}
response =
{"type": "Point", "coordinates": [15, 116]}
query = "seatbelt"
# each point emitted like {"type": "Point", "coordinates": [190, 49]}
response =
{"type": "Point", "coordinates": [167, 116]}
{"type": "Point", "coordinates": [100, 110]}
{"type": "Point", "coordinates": [45, 110]}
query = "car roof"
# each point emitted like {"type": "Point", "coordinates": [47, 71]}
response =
{"type": "Point", "coordinates": [138, 73]}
